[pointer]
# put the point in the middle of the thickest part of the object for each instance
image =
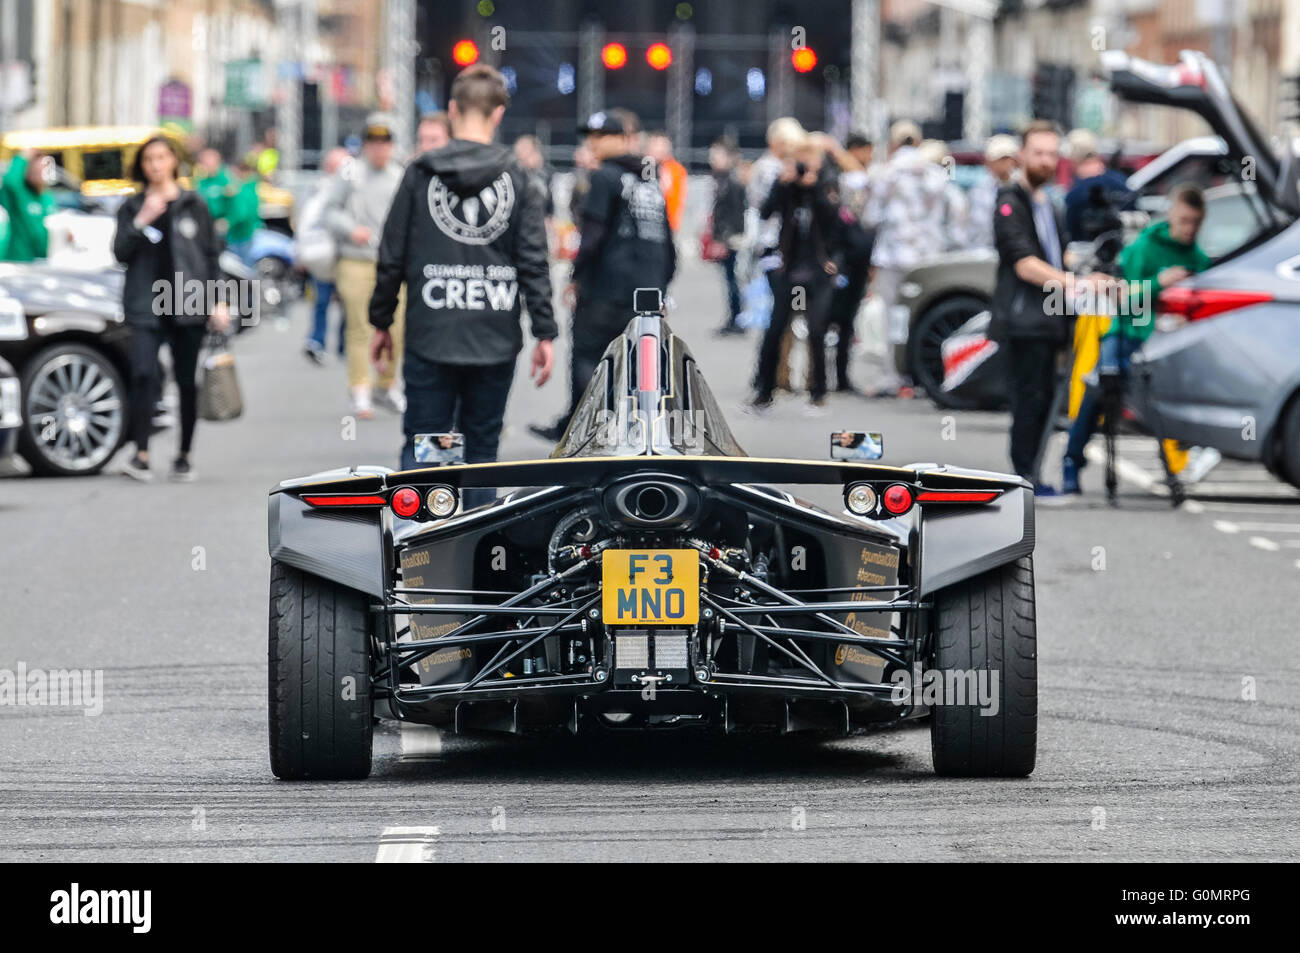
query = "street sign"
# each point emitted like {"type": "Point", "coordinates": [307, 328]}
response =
{"type": "Point", "coordinates": [246, 85]}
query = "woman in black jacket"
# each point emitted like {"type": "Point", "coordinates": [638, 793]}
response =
{"type": "Point", "coordinates": [168, 242]}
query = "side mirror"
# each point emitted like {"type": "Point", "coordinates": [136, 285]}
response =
{"type": "Point", "coordinates": [856, 445]}
{"type": "Point", "coordinates": [440, 449]}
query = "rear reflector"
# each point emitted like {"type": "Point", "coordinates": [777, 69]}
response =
{"type": "Point", "coordinates": [957, 496]}
{"type": "Point", "coordinates": [405, 502]}
{"type": "Point", "coordinates": [344, 500]}
{"type": "Point", "coordinates": [897, 499]}
{"type": "Point", "coordinates": [647, 363]}
{"type": "Point", "coordinates": [1195, 304]}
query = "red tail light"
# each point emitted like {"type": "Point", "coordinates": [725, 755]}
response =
{"type": "Point", "coordinates": [647, 363]}
{"type": "Point", "coordinates": [957, 496]}
{"type": "Point", "coordinates": [344, 500]}
{"type": "Point", "coordinates": [405, 502]}
{"type": "Point", "coordinates": [897, 499]}
{"type": "Point", "coordinates": [1197, 303]}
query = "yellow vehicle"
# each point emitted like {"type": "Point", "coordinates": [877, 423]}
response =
{"type": "Point", "coordinates": [100, 158]}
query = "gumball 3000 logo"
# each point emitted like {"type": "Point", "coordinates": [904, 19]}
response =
{"type": "Point", "coordinates": [476, 219]}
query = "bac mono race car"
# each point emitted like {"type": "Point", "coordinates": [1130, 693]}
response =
{"type": "Point", "coordinates": [651, 575]}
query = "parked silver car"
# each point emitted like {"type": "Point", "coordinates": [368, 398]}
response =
{"type": "Point", "coordinates": [1222, 368]}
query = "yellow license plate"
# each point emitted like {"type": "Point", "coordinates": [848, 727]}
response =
{"type": "Point", "coordinates": [651, 586]}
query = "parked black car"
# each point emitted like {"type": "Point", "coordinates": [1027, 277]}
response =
{"type": "Point", "coordinates": [64, 333]}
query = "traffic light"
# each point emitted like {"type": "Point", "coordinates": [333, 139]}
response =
{"type": "Point", "coordinates": [464, 53]}
{"type": "Point", "coordinates": [659, 55]}
{"type": "Point", "coordinates": [613, 55]}
{"type": "Point", "coordinates": [1289, 100]}
{"type": "Point", "coordinates": [803, 59]}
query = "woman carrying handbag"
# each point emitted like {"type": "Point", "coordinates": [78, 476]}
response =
{"type": "Point", "coordinates": [167, 240]}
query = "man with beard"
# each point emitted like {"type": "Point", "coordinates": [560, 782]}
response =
{"type": "Point", "coordinates": [1030, 238]}
{"type": "Point", "coordinates": [626, 244]}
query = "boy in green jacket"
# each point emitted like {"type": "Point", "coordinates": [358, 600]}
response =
{"type": "Point", "coordinates": [1164, 253]}
{"type": "Point", "coordinates": [242, 210]}
{"type": "Point", "coordinates": [211, 181]}
{"type": "Point", "coordinates": [26, 202]}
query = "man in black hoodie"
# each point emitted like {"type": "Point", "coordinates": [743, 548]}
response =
{"type": "Point", "coordinates": [626, 244]}
{"type": "Point", "coordinates": [467, 235]}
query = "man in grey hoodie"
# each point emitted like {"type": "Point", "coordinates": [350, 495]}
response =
{"type": "Point", "coordinates": [358, 203]}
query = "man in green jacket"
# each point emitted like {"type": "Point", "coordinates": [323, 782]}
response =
{"type": "Point", "coordinates": [1164, 253]}
{"type": "Point", "coordinates": [4, 232]}
{"type": "Point", "coordinates": [24, 198]}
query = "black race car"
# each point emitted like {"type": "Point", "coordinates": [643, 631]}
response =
{"type": "Point", "coordinates": [651, 575]}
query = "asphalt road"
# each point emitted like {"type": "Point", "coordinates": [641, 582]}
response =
{"type": "Point", "coordinates": [1152, 626]}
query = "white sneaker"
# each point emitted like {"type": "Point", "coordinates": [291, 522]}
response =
{"type": "Point", "coordinates": [1200, 461]}
{"type": "Point", "coordinates": [361, 406]}
{"type": "Point", "coordinates": [393, 399]}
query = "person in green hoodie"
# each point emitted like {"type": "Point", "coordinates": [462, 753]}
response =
{"type": "Point", "coordinates": [211, 179]}
{"type": "Point", "coordinates": [1164, 253]}
{"type": "Point", "coordinates": [4, 232]}
{"type": "Point", "coordinates": [242, 210]}
{"type": "Point", "coordinates": [26, 202]}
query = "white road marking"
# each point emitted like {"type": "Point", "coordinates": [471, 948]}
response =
{"type": "Point", "coordinates": [1259, 542]}
{"type": "Point", "coordinates": [420, 742]}
{"type": "Point", "coordinates": [1226, 526]}
{"type": "Point", "coordinates": [407, 845]}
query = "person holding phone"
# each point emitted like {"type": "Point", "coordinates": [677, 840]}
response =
{"type": "Point", "coordinates": [167, 240]}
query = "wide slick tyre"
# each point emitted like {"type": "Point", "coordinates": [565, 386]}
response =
{"type": "Point", "coordinates": [319, 690]}
{"type": "Point", "coordinates": [986, 625]}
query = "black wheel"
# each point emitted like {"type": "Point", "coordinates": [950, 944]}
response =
{"type": "Point", "coordinates": [74, 410]}
{"type": "Point", "coordinates": [925, 343]}
{"type": "Point", "coordinates": [1288, 456]}
{"type": "Point", "coordinates": [319, 678]}
{"type": "Point", "coordinates": [986, 625]}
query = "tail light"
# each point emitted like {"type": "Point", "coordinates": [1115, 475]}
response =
{"type": "Point", "coordinates": [341, 499]}
{"type": "Point", "coordinates": [957, 496]}
{"type": "Point", "coordinates": [897, 499]}
{"type": "Point", "coordinates": [1195, 304]}
{"type": "Point", "coordinates": [647, 362]}
{"type": "Point", "coordinates": [405, 502]}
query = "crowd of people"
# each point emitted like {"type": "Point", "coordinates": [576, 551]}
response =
{"type": "Point", "coordinates": [433, 260]}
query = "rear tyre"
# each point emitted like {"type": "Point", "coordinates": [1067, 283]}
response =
{"type": "Point", "coordinates": [986, 625]}
{"type": "Point", "coordinates": [319, 678]}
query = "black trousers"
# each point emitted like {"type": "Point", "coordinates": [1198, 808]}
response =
{"type": "Point", "coordinates": [1033, 382]}
{"type": "Point", "coordinates": [184, 342]}
{"type": "Point", "coordinates": [844, 310]}
{"type": "Point", "coordinates": [816, 300]}
{"type": "Point", "coordinates": [596, 322]}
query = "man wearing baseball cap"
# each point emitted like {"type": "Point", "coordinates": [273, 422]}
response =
{"type": "Point", "coordinates": [355, 211]}
{"type": "Point", "coordinates": [1000, 160]}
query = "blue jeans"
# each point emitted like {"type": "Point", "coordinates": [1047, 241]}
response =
{"type": "Point", "coordinates": [320, 318]}
{"type": "Point", "coordinates": [467, 398]}
{"type": "Point", "coordinates": [1113, 358]}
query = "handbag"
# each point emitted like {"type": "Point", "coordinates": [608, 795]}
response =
{"type": "Point", "coordinates": [219, 397]}
{"type": "Point", "coordinates": [710, 248]}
